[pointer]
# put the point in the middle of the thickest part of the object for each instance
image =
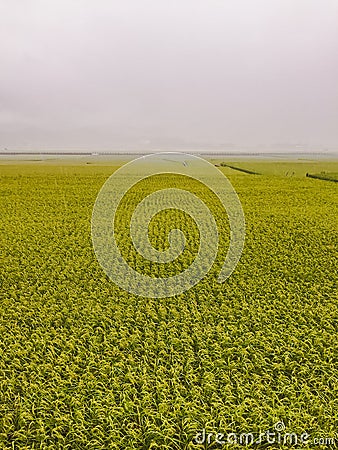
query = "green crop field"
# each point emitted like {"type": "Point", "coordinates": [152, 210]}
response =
{"type": "Point", "coordinates": [87, 365]}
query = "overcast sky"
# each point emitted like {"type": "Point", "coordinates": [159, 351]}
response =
{"type": "Point", "coordinates": [178, 74]}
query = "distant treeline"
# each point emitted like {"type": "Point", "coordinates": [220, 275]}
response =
{"type": "Point", "coordinates": [240, 169]}
{"type": "Point", "coordinates": [324, 176]}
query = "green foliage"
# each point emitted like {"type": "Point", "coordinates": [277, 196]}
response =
{"type": "Point", "coordinates": [85, 365]}
{"type": "Point", "coordinates": [250, 172]}
{"type": "Point", "coordinates": [331, 176]}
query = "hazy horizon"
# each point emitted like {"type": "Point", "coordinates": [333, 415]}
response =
{"type": "Point", "coordinates": [240, 75]}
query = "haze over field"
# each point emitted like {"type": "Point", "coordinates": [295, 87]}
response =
{"type": "Point", "coordinates": [179, 75]}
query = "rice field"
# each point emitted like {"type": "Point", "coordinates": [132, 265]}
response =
{"type": "Point", "coordinates": [86, 365]}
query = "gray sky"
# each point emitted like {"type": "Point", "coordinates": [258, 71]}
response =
{"type": "Point", "coordinates": [170, 74]}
